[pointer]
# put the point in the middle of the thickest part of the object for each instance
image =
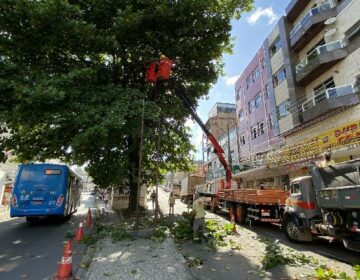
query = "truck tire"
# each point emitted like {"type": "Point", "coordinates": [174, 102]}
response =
{"type": "Point", "coordinates": [290, 229]}
{"type": "Point", "coordinates": [213, 207]}
{"type": "Point", "coordinates": [240, 214]}
{"type": "Point", "coordinates": [232, 212]}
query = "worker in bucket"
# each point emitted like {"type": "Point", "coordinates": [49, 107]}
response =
{"type": "Point", "coordinates": [327, 161]}
{"type": "Point", "coordinates": [199, 219]}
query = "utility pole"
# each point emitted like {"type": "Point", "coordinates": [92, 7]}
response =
{"type": "Point", "coordinates": [203, 157]}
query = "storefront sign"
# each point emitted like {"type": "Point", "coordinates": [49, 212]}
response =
{"type": "Point", "coordinates": [331, 140]}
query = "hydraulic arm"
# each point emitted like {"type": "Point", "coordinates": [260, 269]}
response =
{"type": "Point", "coordinates": [161, 72]}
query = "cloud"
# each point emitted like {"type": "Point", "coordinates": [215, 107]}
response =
{"type": "Point", "coordinates": [230, 81]}
{"type": "Point", "coordinates": [260, 12]}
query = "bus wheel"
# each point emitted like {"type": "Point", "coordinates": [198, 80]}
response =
{"type": "Point", "coordinates": [240, 214]}
{"type": "Point", "coordinates": [32, 220]}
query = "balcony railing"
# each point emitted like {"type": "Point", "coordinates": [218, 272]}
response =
{"type": "Point", "coordinates": [314, 11]}
{"type": "Point", "coordinates": [322, 95]}
{"type": "Point", "coordinates": [318, 51]}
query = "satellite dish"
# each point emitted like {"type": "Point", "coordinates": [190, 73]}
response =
{"type": "Point", "coordinates": [330, 21]}
{"type": "Point", "coordinates": [330, 32]}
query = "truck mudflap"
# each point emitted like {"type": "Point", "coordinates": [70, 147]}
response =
{"type": "Point", "coordinates": [352, 243]}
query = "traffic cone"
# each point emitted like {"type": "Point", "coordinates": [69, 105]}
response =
{"type": "Point", "coordinates": [79, 233]}
{"type": "Point", "coordinates": [88, 219]}
{"type": "Point", "coordinates": [65, 266]}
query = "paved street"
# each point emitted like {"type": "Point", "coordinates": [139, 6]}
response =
{"type": "Point", "coordinates": [245, 263]}
{"type": "Point", "coordinates": [32, 252]}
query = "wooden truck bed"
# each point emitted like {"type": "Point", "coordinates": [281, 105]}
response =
{"type": "Point", "coordinates": [250, 196]}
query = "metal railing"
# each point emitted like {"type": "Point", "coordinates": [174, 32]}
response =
{"type": "Point", "coordinates": [329, 47]}
{"type": "Point", "coordinates": [314, 11]}
{"type": "Point", "coordinates": [322, 95]}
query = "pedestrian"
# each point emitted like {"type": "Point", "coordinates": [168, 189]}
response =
{"type": "Point", "coordinates": [199, 218]}
{"type": "Point", "coordinates": [106, 198]}
{"type": "Point", "coordinates": [153, 199]}
{"type": "Point", "coordinates": [171, 203]}
{"type": "Point", "coordinates": [327, 161]}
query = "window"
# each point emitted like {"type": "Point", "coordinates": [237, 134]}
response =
{"type": "Point", "coordinates": [263, 63]}
{"type": "Point", "coordinates": [261, 128]}
{"type": "Point", "coordinates": [256, 74]}
{"type": "Point", "coordinates": [242, 139]}
{"type": "Point", "coordinates": [275, 46]}
{"type": "Point", "coordinates": [257, 100]}
{"type": "Point", "coordinates": [241, 115]}
{"type": "Point", "coordinates": [253, 77]}
{"type": "Point", "coordinates": [312, 53]}
{"type": "Point", "coordinates": [251, 105]}
{"type": "Point", "coordinates": [239, 93]}
{"type": "Point", "coordinates": [283, 109]}
{"type": "Point", "coordinates": [329, 83]}
{"type": "Point", "coordinates": [279, 76]}
{"type": "Point", "coordinates": [266, 91]}
{"type": "Point", "coordinates": [253, 133]}
{"type": "Point", "coordinates": [271, 121]}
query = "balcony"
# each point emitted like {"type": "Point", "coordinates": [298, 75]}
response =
{"type": "Point", "coordinates": [319, 61]}
{"type": "Point", "coordinates": [294, 8]}
{"type": "Point", "coordinates": [325, 101]}
{"type": "Point", "coordinates": [311, 24]}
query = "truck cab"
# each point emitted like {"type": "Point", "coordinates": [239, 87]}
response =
{"type": "Point", "coordinates": [300, 208]}
{"type": "Point", "coordinates": [325, 203]}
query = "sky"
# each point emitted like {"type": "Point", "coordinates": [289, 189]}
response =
{"type": "Point", "coordinates": [249, 33]}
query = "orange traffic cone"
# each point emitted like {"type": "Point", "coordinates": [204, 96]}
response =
{"type": "Point", "coordinates": [65, 266]}
{"type": "Point", "coordinates": [88, 219]}
{"type": "Point", "coordinates": [79, 232]}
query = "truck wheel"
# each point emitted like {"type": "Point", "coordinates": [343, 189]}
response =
{"type": "Point", "coordinates": [240, 214]}
{"type": "Point", "coordinates": [232, 212]}
{"type": "Point", "coordinates": [291, 230]}
{"type": "Point", "coordinates": [213, 207]}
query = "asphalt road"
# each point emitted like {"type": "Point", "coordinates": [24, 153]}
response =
{"type": "Point", "coordinates": [33, 251]}
{"type": "Point", "coordinates": [245, 263]}
{"type": "Point", "coordinates": [321, 246]}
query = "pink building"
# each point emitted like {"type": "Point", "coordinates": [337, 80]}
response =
{"type": "Point", "coordinates": [256, 118]}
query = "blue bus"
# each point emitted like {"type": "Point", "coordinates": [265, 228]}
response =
{"type": "Point", "coordinates": [42, 190]}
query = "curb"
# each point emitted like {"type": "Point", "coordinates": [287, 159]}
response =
{"type": "Point", "coordinates": [88, 256]}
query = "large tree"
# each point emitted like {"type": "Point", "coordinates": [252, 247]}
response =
{"type": "Point", "coordinates": [72, 80]}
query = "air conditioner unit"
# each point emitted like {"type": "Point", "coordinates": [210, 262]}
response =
{"type": "Point", "coordinates": [330, 32]}
{"type": "Point", "coordinates": [330, 21]}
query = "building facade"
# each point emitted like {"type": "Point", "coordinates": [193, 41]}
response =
{"type": "Point", "coordinates": [222, 124]}
{"type": "Point", "coordinates": [257, 124]}
{"type": "Point", "coordinates": [323, 112]}
{"type": "Point", "coordinates": [299, 96]}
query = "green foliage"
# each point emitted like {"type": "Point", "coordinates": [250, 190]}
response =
{"type": "Point", "coordinates": [275, 255]}
{"type": "Point", "coordinates": [160, 234]}
{"type": "Point", "coordinates": [88, 240]}
{"type": "Point", "coordinates": [357, 270]}
{"type": "Point", "coordinates": [183, 228]}
{"type": "Point", "coordinates": [72, 80]}
{"type": "Point", "coordinates": [326, 273]}
{"type": "Point", "coordinates": [119, 233]}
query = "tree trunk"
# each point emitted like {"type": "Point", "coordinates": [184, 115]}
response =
{"type": "Point", "coordinates": [133, 173]}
